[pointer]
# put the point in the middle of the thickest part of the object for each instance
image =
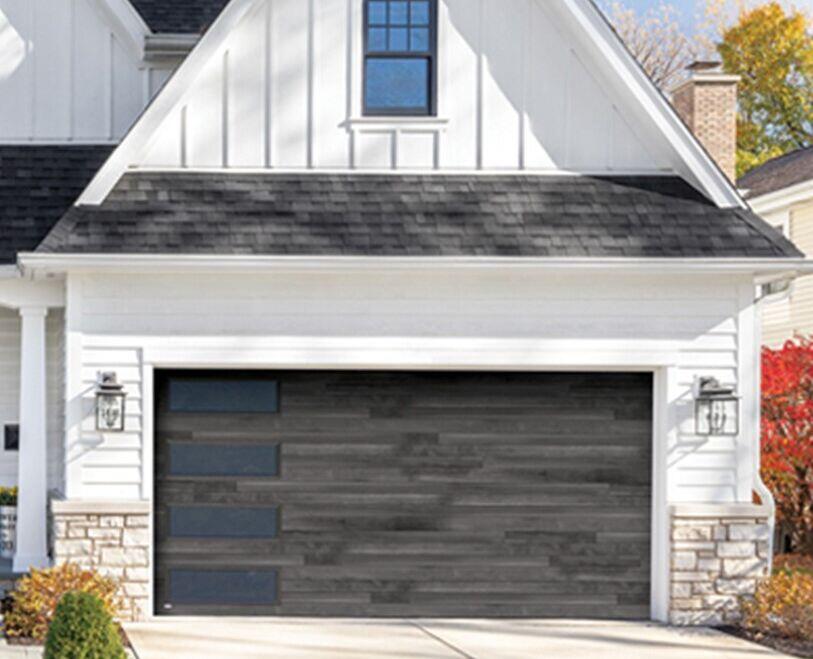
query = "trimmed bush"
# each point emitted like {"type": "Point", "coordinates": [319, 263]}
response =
{"type": "Point", "coordinates": [782, 607]}
{"type": "Point", "coordinates": [83, 629]}
{"type": "Point", "coordinates": [35, 597]}
{"type": "Point", "coordinates": [8, 496]}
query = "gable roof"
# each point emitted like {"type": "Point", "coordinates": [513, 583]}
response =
{"type": "Point", "coordinates": [179, 16]}
{"type": "Point", "coordinates": [37, 185]}
{"type": "Point", "coordinates": [411, 215]}
{"type": "Point", "coordinates": [780, 173]}
{"type": "Point", "coordinates": [687, 156]}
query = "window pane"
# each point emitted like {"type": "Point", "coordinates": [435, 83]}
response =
{"type": "Point", "coordinates": [197, 459]}
{"type": "Point", "coordinates": [420, 12]}
{"type": "Point", "coordinates": [396, 83]}
{"type": "Point", "coordinates": [399, 14]}
{"type": "Point", "coordinates": [398, 39]}
{"type": "Point", "coordinates": [419, 40]}
{"type": "Point", "coordinates": [377, 39]}
{"type": "Point", "coordinates": [246, 396]}
{"type": "Point", "coordinates": [237, 587]}
{"type": "Point", "coordinates": [377, 13]}
{"type": "Point", "coordinates": [222, 522]}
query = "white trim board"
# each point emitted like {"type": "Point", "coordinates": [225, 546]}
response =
{"type": "Point", "coordinates": [49, 263]}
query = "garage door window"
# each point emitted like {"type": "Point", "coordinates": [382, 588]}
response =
{"type": "Point", "coordinates": [223, 396]}
{"type": "Point", "coordinates": [223, 588]}
{"type": "Point", "coordinates": [249, 460]}
{"type": "Point", "coordinates": [219, 522]}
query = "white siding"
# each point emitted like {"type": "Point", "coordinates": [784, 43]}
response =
{"type": "Point", "coordinates": [66, 73]}
{"type": "Point", "coordinates": [519, 89]}
{"type": "Point", "coordinates": [419, 318]}
{"type": "Point", "coordinates": [10, 393]}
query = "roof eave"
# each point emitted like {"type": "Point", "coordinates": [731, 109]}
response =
{"type": "Point", "coordinates": [787, 267]}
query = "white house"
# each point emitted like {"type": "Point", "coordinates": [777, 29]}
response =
{"type": "Point", "coordinates": [418, 307]}
{"type": "Point", "coordinates": [781, 191]}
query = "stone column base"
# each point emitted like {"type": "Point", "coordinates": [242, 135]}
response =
{"type": "Point", "coordinates": [111, 538]}
{"type": "Point", "coordinates": [719, 552]}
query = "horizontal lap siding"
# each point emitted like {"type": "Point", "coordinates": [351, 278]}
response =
{"type": "Point", "coordinates": [434, 494]}
{"type": "Point", "coordinates": [374, 317]}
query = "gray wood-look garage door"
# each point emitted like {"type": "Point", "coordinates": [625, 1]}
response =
{"type": "Point", "coordinates": [403, 494]}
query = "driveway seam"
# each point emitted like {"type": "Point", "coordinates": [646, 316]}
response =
{"type": "Point", "coordinates": [442, 641]}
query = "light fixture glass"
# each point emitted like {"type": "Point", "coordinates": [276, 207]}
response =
{"type": "Point", "coordinates": [110, 404]}
{"type": "Point", "coordinates": [717, 410]}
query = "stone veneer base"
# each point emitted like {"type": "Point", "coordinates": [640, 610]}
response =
{"type": "Point", "coordinates": [112, 538]}
{"type": "Point", "coordinates": [718, 554]}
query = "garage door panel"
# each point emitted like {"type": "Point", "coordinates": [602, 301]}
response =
{"type": "Point", "coordinates": [416, 494]}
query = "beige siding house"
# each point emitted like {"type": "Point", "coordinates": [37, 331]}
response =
{"type": "Point", "coordinates": [781, 191]}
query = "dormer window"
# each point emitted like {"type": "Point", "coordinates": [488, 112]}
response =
{"type": "Point", "coordinates": [400, 57]}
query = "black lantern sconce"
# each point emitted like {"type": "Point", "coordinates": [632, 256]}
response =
{"type": "Point", "coordinates": [110, 397]}
{"type": "Point", "coordinates": [717, 410]}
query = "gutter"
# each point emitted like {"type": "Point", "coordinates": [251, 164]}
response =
{"type": "Point", "coordinates": [765, 271]}
{"type": "Point", "coordinates": [159, 47]}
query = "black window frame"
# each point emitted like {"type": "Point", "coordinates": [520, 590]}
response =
{"type": "Point", "coordinates": [431, 56]}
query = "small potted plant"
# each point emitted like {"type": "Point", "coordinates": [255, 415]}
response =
{"type": "Point", "coordinates": [8, 521]}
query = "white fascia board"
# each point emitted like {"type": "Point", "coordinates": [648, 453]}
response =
{"type": "Point", "coordinates": [615, 53]}
{"type": "Point", "coordinates": [174, 90]}
{"type": "Point", "coordinates": [125, 22]}
{"type": "Point", "coordinates": [171, 263]}
{"type": "Point", "coordinates": [784, 198]}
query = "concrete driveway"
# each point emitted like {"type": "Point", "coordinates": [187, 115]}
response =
{"type": "Point", "coordinates": [425, 639]}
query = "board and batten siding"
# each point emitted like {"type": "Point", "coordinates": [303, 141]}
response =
{"type": "Point", "coordinates": [10, 393]}
{"type": "Point", "coordinates": [355, 320]}
{"type": "Point", "coordinates": [69, 72]}
{"type": "Point", "coordinates": [792, 316]}
{"type": "Point", "coordinates": [518, 89]}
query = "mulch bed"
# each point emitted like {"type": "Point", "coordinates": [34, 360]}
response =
{"type": "Point", "coordinates": [14, 640]}
{"type": "Point", "coordinates": [792, 647]}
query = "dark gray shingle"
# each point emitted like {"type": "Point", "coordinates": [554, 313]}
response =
{"type": "Point", "coordinates": [791, 169]}
{"type": "Point", "coordinates": [37, 186]}
{"type": "Point", "coordinates": [179, 16]}
{"type": "Point", "coordinates": [411, 215]}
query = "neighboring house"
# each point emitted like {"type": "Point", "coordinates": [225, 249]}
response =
{"type": "Point", "coordinates": [411, 303]}
{"type": "Point", "coordinates": [781, 191]}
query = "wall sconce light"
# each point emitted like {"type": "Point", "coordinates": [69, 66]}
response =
{"type": "Point", "coordinates": [110, 397]}
{"type": "Point", "coordinates": [717, 410]}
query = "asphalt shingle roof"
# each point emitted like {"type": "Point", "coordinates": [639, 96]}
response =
{"type": "Point", "coordinates": [412, 215]}
{"type": "Point", "coordinates": [791, 169]}
{"type": "Point", "coordinates": [37, 186]}
{"type": "Point", "coordinates": [179, 16]}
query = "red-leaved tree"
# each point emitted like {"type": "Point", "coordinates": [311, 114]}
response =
{"type": "Point", "coordinates": [787, 437]}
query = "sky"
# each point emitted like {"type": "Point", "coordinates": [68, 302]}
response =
{"type": "Point", "coordinates": [690, 9]}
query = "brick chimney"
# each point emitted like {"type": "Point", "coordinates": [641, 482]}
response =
{"type": "Point", "coordinates": [707, 102]}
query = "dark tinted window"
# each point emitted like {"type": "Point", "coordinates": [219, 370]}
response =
{"type": "Point", "coordinates": [220, 522]}
{"type": "Point", "coordinates": [400, 57]}
{"type": "Point", "coordinates": [239, 396]}
{"type": "Point", "coordinates": [197, 459]}
{"type": "Point", "coordinates": [235, 587]}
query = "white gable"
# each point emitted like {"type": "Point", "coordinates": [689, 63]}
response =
{"type": "Point", "coordinates": [69, 69]}
{"type": "Point", "coordinates": [523, 85]}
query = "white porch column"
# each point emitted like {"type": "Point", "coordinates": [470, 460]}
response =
{"type": "Point", "coordinates": [32, 550]}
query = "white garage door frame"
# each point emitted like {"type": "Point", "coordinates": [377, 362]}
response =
{"type": "Point", "coordinates": [497, 357]}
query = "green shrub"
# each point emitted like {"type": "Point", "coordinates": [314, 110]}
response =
{"type": "Point", "coordinates": [8, 496]}
{"type": "Point", "coordinates": [82, 629]}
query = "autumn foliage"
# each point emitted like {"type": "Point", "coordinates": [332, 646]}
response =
{"type": "Point", "coordinates": [787, 437]}
{"type": "Point", "coordinates": [37, 595]}
{"type": "Point", "coordinates": [782, 606]}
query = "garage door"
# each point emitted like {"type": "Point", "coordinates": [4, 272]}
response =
{"type": "Point", "coordinates": [403, 494]}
